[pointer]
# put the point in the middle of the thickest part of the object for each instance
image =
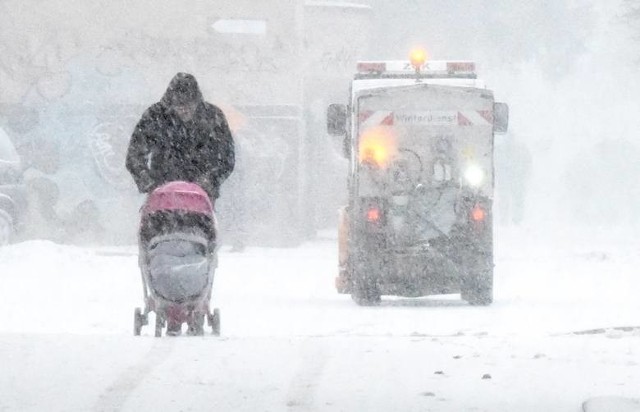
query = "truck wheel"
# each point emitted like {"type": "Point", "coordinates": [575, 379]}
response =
{"type": "Point", "coordinates": [477, 288]}
{"type": "Point", "coordinates": [365, 291]}
{"type": "Point", "coordinates": [477, 283]}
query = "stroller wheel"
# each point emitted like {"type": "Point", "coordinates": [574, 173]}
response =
{"type": "Point", "coordinates": [213, 319]}
{"type": "Point", "coordinates": [159, 325]}
{"type": "Point", "coordinates": [174, 328]}
{"type": "Point", "coordinates": [196, 324]}
{"type": "Point", "coordinates": [138, 321]}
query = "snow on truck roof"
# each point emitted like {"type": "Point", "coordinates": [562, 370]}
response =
{"type": "Point", "coordinates": [433, 68]}
{"type": "Point", "coordinates": [378, 74]}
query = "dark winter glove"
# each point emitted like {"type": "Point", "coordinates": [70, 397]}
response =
{"type": "Point", "coordinates": [210, 185]}
{"type": "Point", "coordinates": [204, 182]}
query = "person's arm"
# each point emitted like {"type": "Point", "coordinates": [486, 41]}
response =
{"type": "Point", "coordinates": [226, 149]}
{"type": "Point", "coordinates": [228, 154]}
{"type": "Point", "coordinates": [139, 152]}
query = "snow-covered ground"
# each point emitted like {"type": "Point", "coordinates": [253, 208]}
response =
{"type": "Point", "coordinates": [290, 343]}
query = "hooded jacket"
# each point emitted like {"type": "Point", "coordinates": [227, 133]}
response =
{"type": "Point", "coordinates": [164, 148]}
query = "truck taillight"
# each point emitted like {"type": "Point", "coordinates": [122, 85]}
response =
{"type": "Point", "coordinates": [374, 214]}
{"type": "Point", "coordinates": [478, 214]}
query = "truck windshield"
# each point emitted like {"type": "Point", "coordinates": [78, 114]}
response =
{"type": "Point", "coordinates": [424, 135]}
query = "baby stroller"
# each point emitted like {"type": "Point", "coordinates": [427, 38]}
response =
{"type": "Point", "coordinates": [177, 259]}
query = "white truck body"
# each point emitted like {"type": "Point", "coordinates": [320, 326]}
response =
{"type": "Point", "coordinates": [419, 217]}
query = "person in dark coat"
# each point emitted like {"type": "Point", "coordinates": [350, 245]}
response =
{"type": "Point", "coordinates": [181, 137]}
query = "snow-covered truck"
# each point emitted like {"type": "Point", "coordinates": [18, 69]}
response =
{"type": "Point", "coordinates": [90, 70]}
{"type": "Point", "coordinates": [419, 137]}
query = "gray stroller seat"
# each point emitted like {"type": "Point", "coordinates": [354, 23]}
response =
{"type": "Point", "coordinates": [179, 267]}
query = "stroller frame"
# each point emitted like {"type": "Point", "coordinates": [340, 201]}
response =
{"type": "Point", "coordinates": [193, 310]}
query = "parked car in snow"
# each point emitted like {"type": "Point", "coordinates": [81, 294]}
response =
{"type": "Point", "coordinates": [12, 190]}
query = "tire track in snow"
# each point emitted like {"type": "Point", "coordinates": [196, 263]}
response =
{"type": "Point", "coordinates": [303, 386]}
{"type": "Point", "coordinates": [116, 395]}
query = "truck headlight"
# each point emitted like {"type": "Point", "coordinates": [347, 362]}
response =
{"type": "Point", "coordinates": [474, 175]}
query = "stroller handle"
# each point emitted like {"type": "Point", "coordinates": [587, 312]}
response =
{"type": "Point", "coordinates": [179, 196]}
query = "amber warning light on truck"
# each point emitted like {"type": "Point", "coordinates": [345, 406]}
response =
{"type": "Point", "coordinates": [377, 146]}
{"type": "Point", "coordinates": [417, 57]}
